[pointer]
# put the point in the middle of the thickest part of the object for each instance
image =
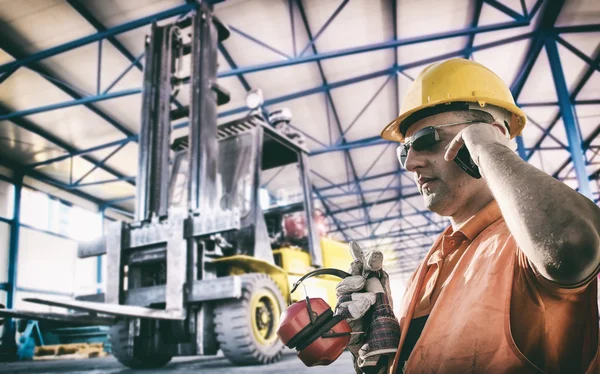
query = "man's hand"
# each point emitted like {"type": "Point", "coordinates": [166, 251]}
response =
{"type": "Point", "coordinates": [375, 327]}
{"type": "Point", "coordinates": [477, 137]}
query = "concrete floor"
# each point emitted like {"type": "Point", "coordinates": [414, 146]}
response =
{"type": "Point", "coordinates": [289, 364]}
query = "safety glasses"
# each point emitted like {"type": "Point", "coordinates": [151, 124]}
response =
{"type": "Point", "coordinates": [423, 140]}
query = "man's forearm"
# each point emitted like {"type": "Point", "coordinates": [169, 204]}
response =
{"type": "Point", "coordinates": [556, 227]}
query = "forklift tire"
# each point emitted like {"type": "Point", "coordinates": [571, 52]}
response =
{"type": "Point", "coordinates": [247, 327]}
{"type": "Point", "coordinates": [129, 354]}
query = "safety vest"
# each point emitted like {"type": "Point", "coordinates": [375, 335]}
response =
{"type": "Point", "coordinates": [469, 327]}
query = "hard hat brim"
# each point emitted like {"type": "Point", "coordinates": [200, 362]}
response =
{"type": "Point", "coordinates": [392, 130]}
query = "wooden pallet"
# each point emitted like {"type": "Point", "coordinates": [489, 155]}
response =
{"type": "Point", "coordinates": [69, 351]}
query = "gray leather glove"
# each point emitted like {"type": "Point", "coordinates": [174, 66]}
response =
{"type": "Point", "coordinates": [364, 300]}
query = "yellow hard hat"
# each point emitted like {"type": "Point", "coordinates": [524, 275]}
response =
{"type": "Point", "coordinates": [440, 85]}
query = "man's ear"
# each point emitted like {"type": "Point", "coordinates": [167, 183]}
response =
{"type": "Point", "coordinates": [497, 124]}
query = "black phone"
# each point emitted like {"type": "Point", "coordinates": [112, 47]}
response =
{"type": "Point", "coordinates": [465, 162]}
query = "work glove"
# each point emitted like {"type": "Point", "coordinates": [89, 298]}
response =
{"type": "Point", "coordinates": [365, 302]}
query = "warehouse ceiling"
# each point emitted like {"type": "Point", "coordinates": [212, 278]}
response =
{"type": "Point", "coordinates": [71, 77]}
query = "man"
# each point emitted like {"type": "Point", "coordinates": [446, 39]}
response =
{"type": "Point", "coordinates": [511, 285]}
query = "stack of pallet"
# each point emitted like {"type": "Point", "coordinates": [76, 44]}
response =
{"type": "Point", "coordinates": [69, 351]}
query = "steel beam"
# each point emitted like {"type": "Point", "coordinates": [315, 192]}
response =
{"type": "Point", "coordinates": [376, 160]}
{"type": "Point", "coordinates": [524, 8]}
{"type": "Point", "coordinates": [293, 26]}
{"type": "Point", "coordinates": [530, 57]}
{"type": "Point", "coordinates": [9, 331]}
{"type": "Point", "coordinates": [569, 120]}
{"type": "Point", "coordinates": [417, 213]}
{"type": "Point", "coordinates": [506, 10]}
{"type": "Point", "coordinates": [85, 13]}
{"type": "Point", "coordinates": [578, 53]}
{"type": "Point", "coordinates": [67, 104]}
{"type": "Point", "coordinates": [406, 236]}
{"type": "Point", "coordinates": [338, 185]}
{"type": "Point", "coordinates": [365, 107]}
{"type": "Point", "coordinates": [233, 65]}
{"type": "Point", "coordinates": [474, 23]}
{"type": "Point", "coordinates": [312, 41]}
{"type": "Point", "coordinates": [99, 258]}
{"type": "Point", "coordinates": [366, 142]}
{"type": "Point", "coordinates": [83, 152]}
{"type": "Point", "coordinates": [106, 181]}
{"type": "Point", "coordinates": [178, 10]}
{"type": "Point", "coordinates": [18, 53]}
{"type": "Point", "coordinates": [586, 145]}
{"type": "Point", "coordinates": [128, 26]}
{"type": "Point", "coordinates": [261, 43]}
{"type": "Point", "coordinates": [124, 72]}
{"type": "Point", "coordinates": [333, 109]}
{"type": "Point", "coordinates": [380, 73]}
{"type": "Point", "coordinates": [578, 28]}
{"type": "Point", "coordinates": [375, 190]}
{"type": "Point", "coordinates": [547, 103]}
{"type": "Point", "coordinates": [27, 125]}
{"type": "Point", "coordinates": [370, 204]}
{"type": "Point", "coordinates": [544, 27]}
{"type": "Point", "coordinates": [387, 214]}
{"type": "Point", "coordinates": [13, 247]}
{"type": "Point", "coordinates": [586, 76]}
{"type": "Point", "coordinates": [18, 168]}
{"type": "Point", "coordinates": [280, 99]}
{"type": "Point", "coordinates": [6, 75]}
{"type": "Point", "coordinates": [100, 164]}
{"type": "Point", "coordinates": [375, 47]}
{"type": "Point", "coordinates": [547, 20]}
{"type": "Point", "coordinates": [135, 61]}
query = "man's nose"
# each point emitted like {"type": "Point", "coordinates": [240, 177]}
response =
{"type": "Point", "coordinates": [414, 160]}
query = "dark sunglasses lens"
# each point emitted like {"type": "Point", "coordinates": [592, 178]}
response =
{"type": "Point", "coordinates": [421, 141]}
{"type": "Point", "coordinates": [424, 139]}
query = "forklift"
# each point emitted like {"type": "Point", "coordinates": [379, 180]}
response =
{"type": "Point", "coordinates": [203, 267]}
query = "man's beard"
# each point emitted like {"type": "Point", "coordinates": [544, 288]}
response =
{"type": "Point", "coordinates": [436, 198]}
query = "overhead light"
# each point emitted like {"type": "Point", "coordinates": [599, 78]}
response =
{"type": "Point", "coordinates": [254, 99]}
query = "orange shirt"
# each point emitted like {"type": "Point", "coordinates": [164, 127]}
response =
{"type": "Point", "coordinates": [491, 311]}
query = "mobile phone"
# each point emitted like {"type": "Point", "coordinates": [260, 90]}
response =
{"type": "Point", "coordinates": [464, 161]}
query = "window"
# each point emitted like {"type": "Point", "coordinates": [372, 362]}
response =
{"type": "Point", "coordinates": [7, 198]}
{"type": "Point", "coordinates": [35, 209]}
{"type": "Point", "coordinates": [47, 213]}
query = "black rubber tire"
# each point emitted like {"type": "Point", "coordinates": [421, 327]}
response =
{"type": "Point", "coordinates": [233, 324]}
{"type": "Point", "coordinates": [136, 358]}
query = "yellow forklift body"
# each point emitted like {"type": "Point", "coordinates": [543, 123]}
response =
{"type": "Point", "coordinates": [293, 260]}
{"type": "Point", "coordinates": [335, 254]}
{"type": "Point", "coordinates": [296, 263]}
{"type": "Point", "coordinates": [242, 264]}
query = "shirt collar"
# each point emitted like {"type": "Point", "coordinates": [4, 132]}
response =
{"type": "Point", "coordinates": [480, 221]}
